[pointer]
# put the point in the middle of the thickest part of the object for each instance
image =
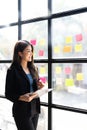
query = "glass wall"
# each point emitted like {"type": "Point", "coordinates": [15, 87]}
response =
{"type": "Point", "coordinates": [70, 84]}
{"type": "Point", "coordinates": [67, 5]}
{"type": "Point", "coordinates": [6, 118]}
{"type": "Point", "coordinates": [33, 9]}
{"type": "Point", "coordinates": [8, 11]}
{"type": "Point", "coordinates": [68, 120]}
{"type": "Point", "coordinates": [70, 41]}
{"type": "Point", "coordinates": [37, 34]}
{"type": "Point", "coordinates": [8, 37]}
{"type": "Point", "coordinates": [58, 31]}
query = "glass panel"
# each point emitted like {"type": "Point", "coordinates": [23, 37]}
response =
{"type": "Point", "coordinates": [64, 5]}
{"type": "Point", "coordinates": [32, 9]}
{"type": "Point", "coordinates": [8, 11]}
{"type": "Point", "coordinates": [43, 119]}
{"type": "Point", "coordinates": [3, 70]}
{"type": "Point", "coordinates": [69, 36]}
{"type": "Point", "coordinates": [70, 84]}
{"type": "Point", "coordinates": [36, 33]}
{"type": "Point", "coordinates": [43, 75]}
{"type": "Point", "coordinates": [65, 120]}
{"type": "Point", "coordinates": [6, 119]}
{"type": "Point", "coordinates": [8, 37]}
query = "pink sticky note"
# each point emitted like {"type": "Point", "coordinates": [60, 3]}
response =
{"type": "Point", "coordinates": [33, 41]}
{"type": "Point", "coordinates": [67, 70]}
{"type": "Point", "coordinates": [78, 37]}
{"type": "Point", "coordinates": [43, 79]}
{"type": "Point", "coordinates": [41, 52]}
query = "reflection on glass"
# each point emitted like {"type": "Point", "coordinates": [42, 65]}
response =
{"type": "Point", "coordinates": [8, 37]}
{"type": "Point", "coordinates": [64, 5]}
{"type": "Point", "coordinates": [36, 33]}
{"type": "Point", "coordinates": [69, 36]}
{"type": "Point", "coordinates": [70, 84]}
{"type": "Point", "coordinates": [32, 8]}
{"type": "Point", "coordinates": [3, 70]}
{"type": "Point", "coordinates": [43, 119]}
{"type": "Point", "coordinates": [66, 120]}
{"type": "Point", "coordinates": [43, 75]}
{"type": "Point", "coordinates": [8, 11]}
{"type": "Point", "coordinates": [6, 119]}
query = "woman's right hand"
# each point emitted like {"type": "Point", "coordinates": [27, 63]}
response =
{"type": "Point", "coordinates": [27, 98]}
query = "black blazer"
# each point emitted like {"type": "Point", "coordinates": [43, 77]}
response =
{"type": "Point", "coordinates": [17, 83]}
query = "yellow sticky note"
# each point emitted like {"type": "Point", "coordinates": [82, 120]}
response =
{"type": "Point", "coordinates": [69, 82]}
{"type": "Point", "coordinates": [78, 48]}
{"type": "Point", "coordinates": [58, 70]}
{"type": "Point", "coordinates": [79, 76]}
{"type": "Point", "coordinates": [42, 70]}
{"type": "Point", "coordinates": [42, 42]}
{"type": "Point", "coordinates": [69, 39]}
{"type": "Point", "coordinates": [56, 49]}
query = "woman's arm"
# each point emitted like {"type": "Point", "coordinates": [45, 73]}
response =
{"type": "Point", "coordinates": [27, 97]}
{"type": "Point", "coordinates": [11, 92]}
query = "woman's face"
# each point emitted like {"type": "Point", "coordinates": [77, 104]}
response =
{"type": "Point", "coordinates": [27, 54]}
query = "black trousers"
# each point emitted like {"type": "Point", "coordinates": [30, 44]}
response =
{"type": "Point", "coordinates": [27, 123]}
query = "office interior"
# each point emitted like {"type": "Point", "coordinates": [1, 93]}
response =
{"type": "Point", "coordinates": [58, 31]}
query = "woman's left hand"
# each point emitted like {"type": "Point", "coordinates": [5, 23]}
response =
{"type": "Point", "coordinates": [40, 84]}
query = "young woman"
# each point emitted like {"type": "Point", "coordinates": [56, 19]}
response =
{"type": "Point", "coordinates": [21, 79]}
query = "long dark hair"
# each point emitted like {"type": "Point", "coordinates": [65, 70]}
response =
{"type": "Point", "coordinates": [19, 47]}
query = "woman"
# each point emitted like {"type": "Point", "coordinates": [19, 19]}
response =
{"type": "Point", "coordinates": [21, 79]}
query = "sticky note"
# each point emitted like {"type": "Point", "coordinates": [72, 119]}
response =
{"type": "Point", "coordinates": [67, 70]}
{"type": "Point", "coordinates": [41, 52]}
{"type": "Point", "coordinates": [69, 82]}
{"type": "Point", "coordinates": [42, 70]}
{"type": "Point", "coordinates": [43, 79]}
{"type": "Point", "coordinates": [69, 39]}
{"type": "Point", "coordinates": [42, 42]}
{"type": "Point", "coordinates": [58, 70]}
{"type": "Point", "coordinates": [79, 37]}
{"type": "Point", "coordinates": [79, 76]}
{"type": "Point", "coordinates": [67, 49]}
{"type": "Point", "coordinates": [56, 49]}
{"type": "Point", "coordinates": [33, 41]}
{"type": "Point", "coordinates": [78, 48]}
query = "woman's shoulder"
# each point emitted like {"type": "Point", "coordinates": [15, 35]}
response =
{"type": "Point", "coordinates": [11, 68]}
